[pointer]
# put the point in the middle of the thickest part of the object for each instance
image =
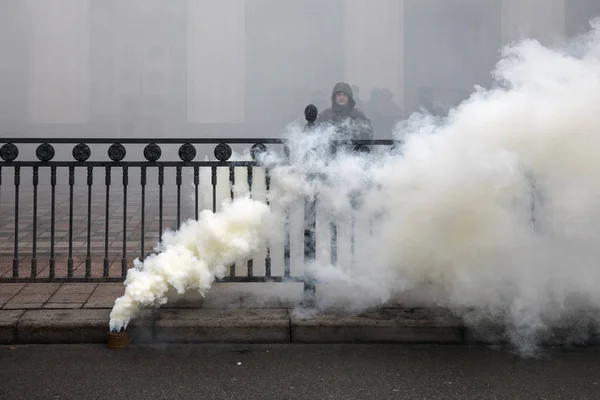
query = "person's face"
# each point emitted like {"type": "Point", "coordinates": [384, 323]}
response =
{"type": "Point", "coordinates": [341, 99]}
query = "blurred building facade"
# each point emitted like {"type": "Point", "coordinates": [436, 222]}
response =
{"type": "Point", "coordinates": [227, 68]}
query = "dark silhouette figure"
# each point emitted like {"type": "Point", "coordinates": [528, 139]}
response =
{"type": "Point", "coordinates": [384, 113]}
{"type": "Point", "coordinates": [350, 122]}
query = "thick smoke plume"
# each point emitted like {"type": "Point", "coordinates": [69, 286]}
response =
{"type": "Point", "coordinates": [193, 257]}
{"type": "Point", "coordinates": [495, 207]}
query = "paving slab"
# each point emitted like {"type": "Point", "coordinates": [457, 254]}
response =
{"type": "Point", "coordinates": [344, 296]}
{"type": "Point", "coordinates": [8, 291]}
{"type": "Point", "coordinates": [221, 295]}
{"type": "Point", "coordinates": [8, 325]}
{"type": "Point", "coordinates": [72, 295]}
{"type": "Point", "coordinates": [241, 295]}
{"type": "Point", "coordinates": [382, 325]}
{"type": "Point", "coordinates": [271, 295]}
{"type": "Point", "coordinates": [190, 299]}
{"type": "Point", "coordinates": [104, 295]}
{"type": "Point", "coordinates": [32, 296]}
{"type": "Point", "coordinates": [57, 306]}
{"type": "Point", "coordinates": [11, 288]}
{"type": "Point", "coordinates": [233, 295]}
{"type": "Point", "coordinates": [222, 325]}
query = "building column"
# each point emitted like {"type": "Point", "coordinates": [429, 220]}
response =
{"type": "Point", "coordinates": [59, 61]}
{"type": "Point", "coordinates": [216, 49]}
{"type": "Point", "coordinates": [540, 19]}
{"type": "Point", "coordinates": [13, 67]}
{"type": "Point", "coordinates": [374, 38]}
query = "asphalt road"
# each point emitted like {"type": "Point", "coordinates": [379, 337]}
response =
{"type": "Point", "coordinates": [294, 372]}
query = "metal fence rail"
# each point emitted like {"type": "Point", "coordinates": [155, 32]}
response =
{"type": "Point", "coordinates": [83, 215]}
{"type": "Point", "coordinates": [94, 170]}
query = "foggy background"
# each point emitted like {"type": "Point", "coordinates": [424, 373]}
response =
{"type": "Point", "coordinates": [237, 68]}
{"type": "Point", "coordinates": [213, 68]}
{"type": "Point", "coordinates": [234, 68]}
{"type": "Point", "coordinates": [218, 69]}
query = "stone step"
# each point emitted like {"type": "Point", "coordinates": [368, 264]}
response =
{"type": "Point", "coordinates": [235, 325]}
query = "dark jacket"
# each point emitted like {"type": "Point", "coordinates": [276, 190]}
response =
{"type": "Point", "coordinates": [358, 127]}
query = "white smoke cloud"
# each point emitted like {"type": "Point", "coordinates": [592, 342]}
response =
{"type": "Point", "coordinates": [496, 205]}
{"type": "Point", "coordinates": [193, 257]}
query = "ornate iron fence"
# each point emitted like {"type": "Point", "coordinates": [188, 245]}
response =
{"type": "Point", "coordinates": [90, 232]}
{"type": "Point", "coordinates": [30, 244]}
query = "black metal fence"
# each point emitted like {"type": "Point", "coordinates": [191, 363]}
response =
{"type": "Point", "coordinates": [87, 218]}
{"type": "Point", "coordinates": [28, 243]}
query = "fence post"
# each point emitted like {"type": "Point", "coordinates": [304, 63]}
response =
{"type": "Point", "coordinates": [310, 114]}
{"type": "Point", "coordinates": [310, 225]}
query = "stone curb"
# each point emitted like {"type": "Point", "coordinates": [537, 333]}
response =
{"type": "Point", "coordinates": [213, 325]}
{"type": "Point", "coordinates": [62, 326]}
{"type": "Point", "coordinates": [255, 325]}
{"type": "Point", "coordinates": [8, 325]}
{"type": "Point", "coordinates": [380, 326]}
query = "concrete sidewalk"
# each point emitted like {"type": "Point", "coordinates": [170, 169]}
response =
{"type": "Point", "coordinates": [234, 313]}
{"type": "Point", "coordinates": [258, 313]}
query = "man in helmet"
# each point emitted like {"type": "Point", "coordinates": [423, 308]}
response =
{"type": "Point", "coordinates": [350, 123]}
